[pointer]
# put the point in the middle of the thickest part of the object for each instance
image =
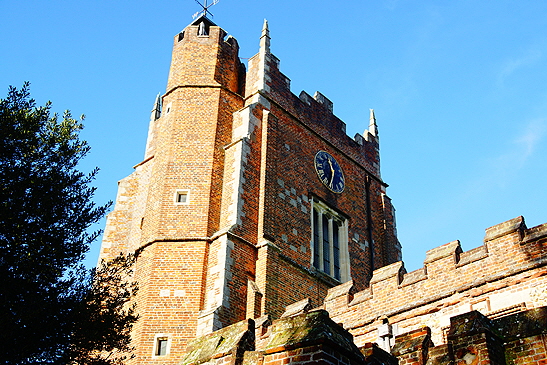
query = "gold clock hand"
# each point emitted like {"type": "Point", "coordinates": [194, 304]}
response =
{"type": "Point", "coordinates": [331, 173]}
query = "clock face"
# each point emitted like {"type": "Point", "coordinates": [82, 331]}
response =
{"type": "Point", "coordinates": [329, 172]}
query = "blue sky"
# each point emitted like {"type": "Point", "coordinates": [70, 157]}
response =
{"type": "Point", "coordinates": [458, 87]}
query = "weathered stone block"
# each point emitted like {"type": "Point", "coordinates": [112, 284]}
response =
{"type": "Point", "coordinates": [231, 341]}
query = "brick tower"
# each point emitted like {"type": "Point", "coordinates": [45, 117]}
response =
{"type": "Point", "coordinates": [249, 198]}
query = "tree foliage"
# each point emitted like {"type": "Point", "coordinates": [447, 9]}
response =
{"type": "Point", "coordinates": [103, 319]}
{"type": "Point", "coordinates": [46, 209]}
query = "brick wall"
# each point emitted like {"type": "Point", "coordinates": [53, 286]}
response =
{"type": "Point", "coordinates": [294, 130]}
{"type": "Point", "coordinates": [166, 283]}
{"type": "Point", "coordinates": [507, 274]}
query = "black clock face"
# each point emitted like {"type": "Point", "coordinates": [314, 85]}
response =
{"type": "Point", "coordinates": [329, 172]}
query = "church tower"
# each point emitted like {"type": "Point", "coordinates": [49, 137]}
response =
{"type": "Point", "coordinates": [249, 198]}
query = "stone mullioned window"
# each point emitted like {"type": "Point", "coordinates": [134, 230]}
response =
{"type": "Point", "coordinates": [329, 242]}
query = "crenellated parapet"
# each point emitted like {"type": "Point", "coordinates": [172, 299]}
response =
{"type": "Point", "coordinates": [507, 274]}
{"type": "Point", "coordinates": [303, 336]}
{"type": "Point", "coordinates": [315, 112]}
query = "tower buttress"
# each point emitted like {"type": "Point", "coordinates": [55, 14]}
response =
{"type": "Point", "coordinates": [168, 211]}
{"type": "Point", "coordinates": [258, 77]}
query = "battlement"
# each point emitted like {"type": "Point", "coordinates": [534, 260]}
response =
{"type": "Point", "coordinates": [315, 112]}
{"type": "Point", "coordinates": [205, 56]}
{"type": "Point", "coordinates": [451, 281]}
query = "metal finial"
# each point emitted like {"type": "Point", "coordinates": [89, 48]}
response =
{"type": "Point", "coordinates": [205, 10]}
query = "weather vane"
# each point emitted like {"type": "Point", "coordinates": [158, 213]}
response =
{"type": "Point", "coordinates": [205, 8]}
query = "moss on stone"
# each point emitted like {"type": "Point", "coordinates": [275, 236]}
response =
{"type": "Point", "coordinates": [234, 340]}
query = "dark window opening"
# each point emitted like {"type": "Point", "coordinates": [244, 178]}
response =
{"type": "Point", "coordinates": [316, 239]}
{"type": "Point", "coordinates": [326, 246]}
{"type": "Point", "coordinates": [329, 232]}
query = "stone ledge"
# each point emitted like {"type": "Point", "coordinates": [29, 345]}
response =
{"type": "Point", "coordinates": [231, 340]}
{"type": "Point", "coordinates": [311, 329]}
{"type": "Point", "coordinates": [535, 233]}
{"type": "Point", "coordinates": [502, 229]}
{"type": "Point", "coordinates": [361, 297]}
{"type": "Point", "coordinates": [412, 341]}
{"type": "Point", "coordinates": [470, 323]}
{"type": "Point", "coordinates": [472, 255]}
{"type": "Point", "coordinates": [386, 272]}
{"type": "Point", "coordinates": [437, 253]}
{"type": "Point", "coordinates": [414, 277]}
{"type": "Point", "coordinates": [340, 290]}
{"type": "Point", "coordinates": [375, 355]}
{"type": "Point", "coordinates": [297, 308]}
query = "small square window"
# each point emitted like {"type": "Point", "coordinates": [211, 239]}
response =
{"type": "Point", "coordinates": [161, 346]}
{"type": "Point", "coordinates": [182, 197]}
